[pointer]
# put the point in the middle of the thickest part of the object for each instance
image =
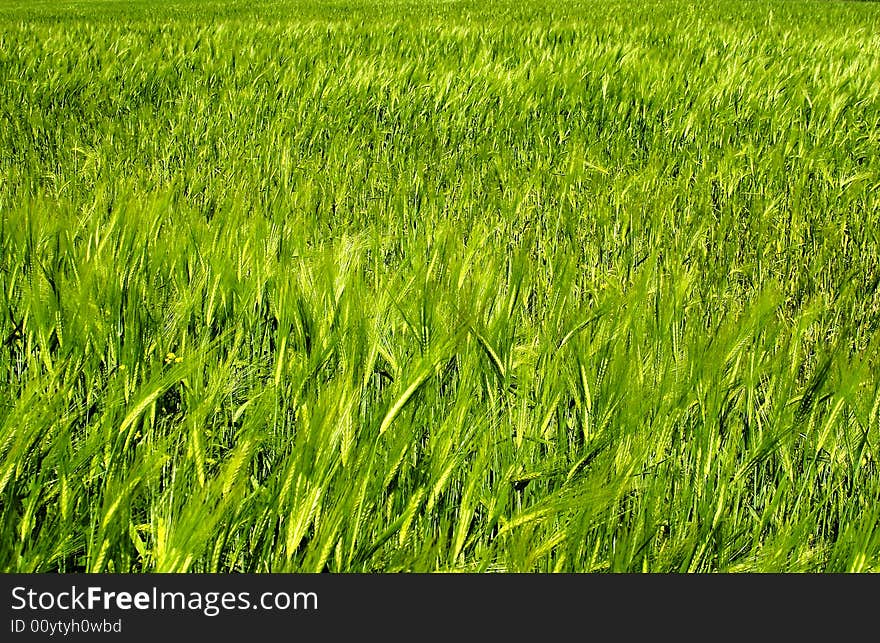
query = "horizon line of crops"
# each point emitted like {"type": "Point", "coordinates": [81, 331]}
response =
{"type": "Point", "coordinates": [304, 287]}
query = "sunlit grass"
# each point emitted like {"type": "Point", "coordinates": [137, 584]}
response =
{"type": "Point", "coordinates": [541, 286]}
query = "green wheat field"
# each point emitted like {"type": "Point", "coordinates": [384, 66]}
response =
{"type": "Point", "coordinates": [537, 286]}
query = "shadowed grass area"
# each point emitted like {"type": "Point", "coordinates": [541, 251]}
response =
{"type": "Point", "coordinates": [543, 286]}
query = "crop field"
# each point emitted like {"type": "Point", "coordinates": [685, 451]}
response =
{"type": "Point", "coordinates": [440, 286]}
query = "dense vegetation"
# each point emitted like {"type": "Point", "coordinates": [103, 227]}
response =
{"type": "Point", "coordinates": [306, 286]}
